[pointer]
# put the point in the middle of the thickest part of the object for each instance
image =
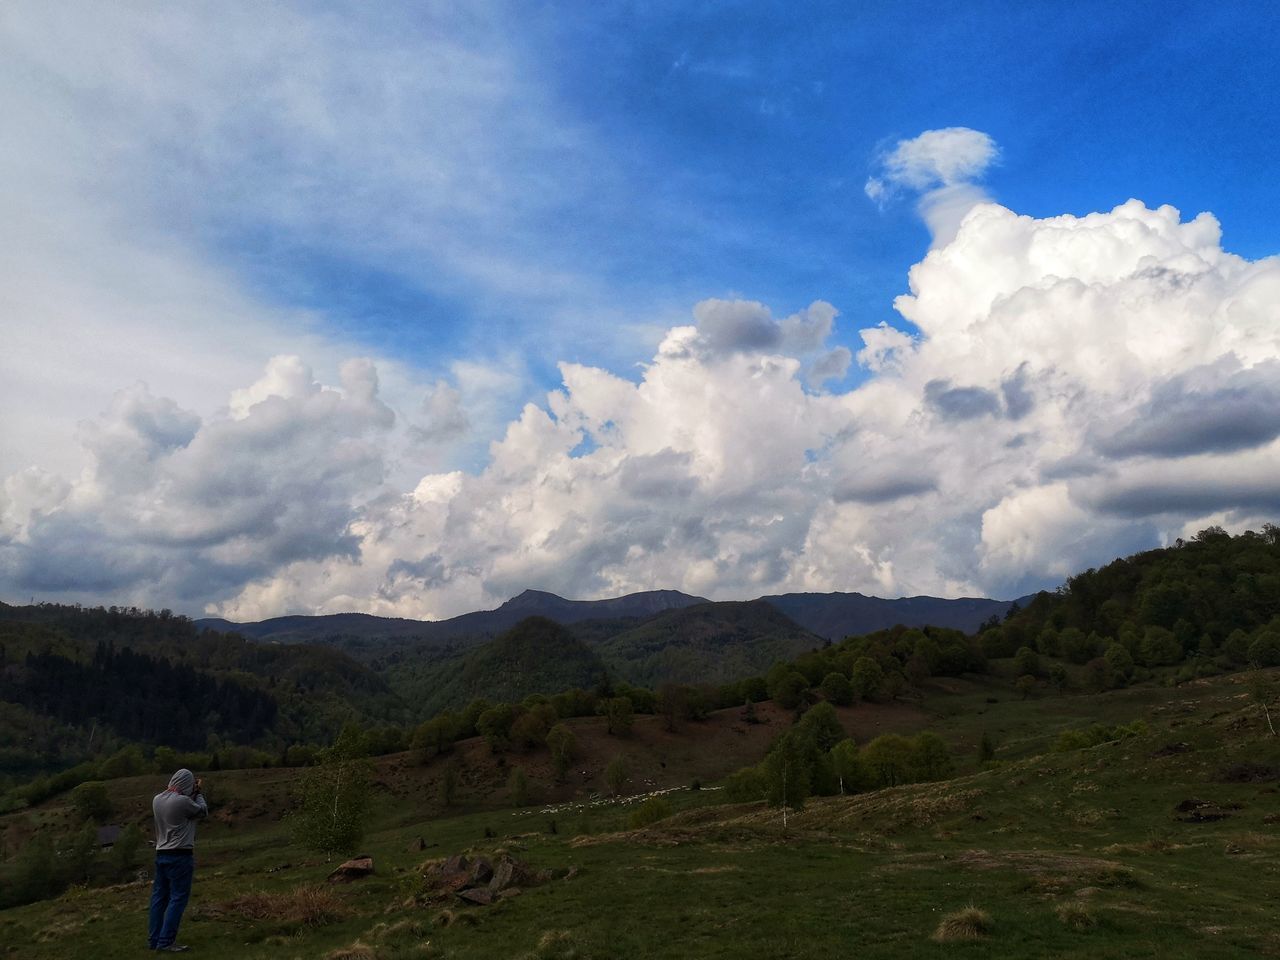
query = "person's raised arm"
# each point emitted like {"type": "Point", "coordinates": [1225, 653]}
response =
{"type": "Point", "coordinates": [199, 808]}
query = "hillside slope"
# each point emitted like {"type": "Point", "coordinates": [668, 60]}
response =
{"type": "Point", "coordinates": [707, 643]}
{"type": "Point", "coordinates": [839, 615]}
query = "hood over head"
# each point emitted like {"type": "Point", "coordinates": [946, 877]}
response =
{"type": "Point", "coordinates": [184, 781]}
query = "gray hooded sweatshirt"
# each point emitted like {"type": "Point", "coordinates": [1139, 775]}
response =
{"type": "Point", "coordinates": [176, 811]}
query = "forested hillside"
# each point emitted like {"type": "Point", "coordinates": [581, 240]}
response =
{"type": "Point", "coordinates": [1212, 602]}
{"type": "Point", "coordinates": [82, 683]}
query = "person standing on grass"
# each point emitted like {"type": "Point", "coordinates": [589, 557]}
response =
{"type": "Point", "coordinates": [176, 812]}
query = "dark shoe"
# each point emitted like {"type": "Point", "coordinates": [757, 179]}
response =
{"type": "Point", "coordinates": [173, 948]}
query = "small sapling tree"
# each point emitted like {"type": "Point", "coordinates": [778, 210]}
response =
{"type": "Point", "coordinates": [334, 797]}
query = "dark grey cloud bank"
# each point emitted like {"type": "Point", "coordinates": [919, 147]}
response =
{"type": "Point", "coordinates": [1217, 408]}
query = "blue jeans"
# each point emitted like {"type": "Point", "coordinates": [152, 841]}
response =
{"type": "Point", "coordinates": [169, 895]}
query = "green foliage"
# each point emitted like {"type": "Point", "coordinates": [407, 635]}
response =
{"type": "Point", "coordinates": [34, 875]}
{"type": "Point", "coordinates": [837, 689]}
{"type": "Point", "coordinates": [495, 726]}
{"type": "Point", "coordinates": [619, 716]}
{"type": "Point", "coordinates": [334, 798]}
{"type": "Point", "coordinates": [745, 785]}
{"type": "Point", "coordinates": [1026, 662]}
{"type": "Point", "coordinates": [1098, 734]}
{"type": "Point", "coordinates": [433, 738]}
{"type": "Point", "coordinates": [930, 757]}
{"type": "Point", "coordinates": [615, 775]}
{"type": "Point", "coordinates": [787, 687]}
{"type": "Point", "coordinates": [1120, 661]}
{"type": "Point", "coordinates": [90, 802]}
{"type": "Point", "coordinates": [846, 763]}
{"type": "Point", "coordinates": [1025, 685]}
{"type": "Point", "coordinates": [123, 856]}
{"type": "Point", "coordinates": [787, 771]}
{"type": "Point", "coordinates": [563, 745]}
{"type": "Point", "coordinates": [650, 812]}
{"type": "Point", "coordinates": [821, 726]}
{"type": "Point", "coordinates": [1214, 593]}
{"type": "Point", "coordinates": [518, 789]}
{"type": "Point", "coordinates": [529, 729]}
{"type": "Point", "coordinates": [889, 759]}
{"type": "Point", "coordinates": [1058, 678]}
{"type": "Point", "coordinates": [867, 677]}
{"type": "Point", "coordinates": [81, 854]}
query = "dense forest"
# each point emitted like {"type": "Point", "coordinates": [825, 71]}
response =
{"type": "Point", "coordinates": [140, 697]}
{"type": "Point", "coordinates": [1203, 606]}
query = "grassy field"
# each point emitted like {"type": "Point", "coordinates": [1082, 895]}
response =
{"type": "Point", "coordinates": [1166, 845]}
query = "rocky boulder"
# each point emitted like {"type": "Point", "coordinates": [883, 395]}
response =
{"type": "Point", "coordinates": [354, 869]}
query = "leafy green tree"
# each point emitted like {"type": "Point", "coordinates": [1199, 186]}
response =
{"type": "Point", "coordinates": [786, 772]}
{"type": "Point", "coordinates": [931, 759]}
{"type": "Point", "coordinates": [787, 689]}
{"type": "Point", "coordinates": [563, 745]}
{"type": "Point", "coordinates": [90, 802]}
{"type": "Point", "coordinates": [1264, 651]}
{"type": "Point", "coordinates": [1120, 660]}
{"type": "Point", "coordinates": [34, 875]}
{"type": "Point", "coordinates": [745, 785]}
{"type": "Point", "coordinates": [1160, 646]}
{"type": "Point", "coordinates": [619, 716]}
{"type": "Point", "coordinates": [495, 726]}
{"type": "Point", "coordinates": [821, 726]}
{"type": "Point", "coordinates": [82, 853]}
{"type": "Point", "coordinates": [518, 787]}
{"type": "Point", "coordinates": [124, 852]}
{"type": "Point", "coordinates": [1058, 677]}
{"type": "Point", "coordinates": [529, 729]}
{"type": "Point", "coordinates": [867, 677]}
{"type": "Point", "coordinates": [334, 797]}
{"type": "Point", "coordinates": [1025, 685]}
{"type": "Point", "coordinates": [125, 762]}
{"type": "Point", "coordinates": [837, 689]}
{"type": "Point", "coordinates": [889, 758]}
{"type": "Point", "coordinates": [846, 763]}
{"type": "Point", "coordinates": [1026, 662]}
{"type": "Point", "coordinates": [433, 738]}
{"type": "Point", "coordinates": [469, 719]}
{"type": "Point", "coordinates": [615, 775]}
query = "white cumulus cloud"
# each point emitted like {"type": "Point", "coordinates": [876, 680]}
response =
{"type": "Point", "coordinates": [1080, 387]}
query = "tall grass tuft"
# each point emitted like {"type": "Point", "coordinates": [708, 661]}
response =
{"type": "Point", "coordinates": [1077, 915]}
{"type": "Point", "coordinates": [967, 924]}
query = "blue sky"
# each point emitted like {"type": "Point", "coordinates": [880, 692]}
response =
{"type": "Point", "coordinates": [730, 145]}
{"type": "Point", "coordinates": [405, 308]}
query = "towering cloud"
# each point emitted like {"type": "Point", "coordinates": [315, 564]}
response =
{"type": "Point", "coordinates": [943, 167]}
{"type": "Point", "coordinates": [1079, 387]}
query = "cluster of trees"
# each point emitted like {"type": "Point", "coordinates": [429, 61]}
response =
{"type": "Point", "coordinates": [1097, 734]}
{"type": "Point", "coordinates": [140, 697]}
{"type": "Point", "coordinates": [45, 867]}
{"type": "Point", "coordinates": [817, 758]}
{"type": "Point", "coordinates": [880, 664]}
{"type": "Point", "coordinates": [1205, 605]}
{"type": "Point", "coordinates": [538, 719]}
{"type": "Point", "coordinates": [77, 684]}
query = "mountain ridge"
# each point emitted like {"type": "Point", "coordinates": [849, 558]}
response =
{"type": "Point", "coordinates": [831, 616]}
